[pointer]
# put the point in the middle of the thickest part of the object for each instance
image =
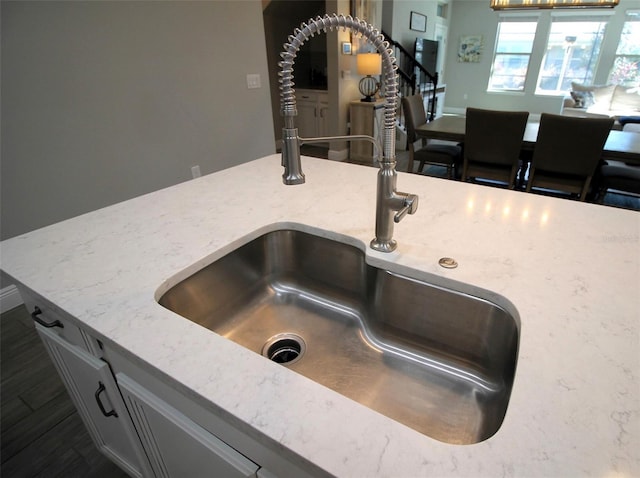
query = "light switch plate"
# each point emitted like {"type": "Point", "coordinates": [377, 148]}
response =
{"type": "Point", "coordinates": [253, 81]}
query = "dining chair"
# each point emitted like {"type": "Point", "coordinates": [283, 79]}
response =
{"type": "Point", "coordinates": [567, 153]}
{"type": "Point", "coordinates": [441, 154]}
{"type": "Point", "coordinates": [492, 144]}
{"type": "Point", "coordinates": [620, 176]}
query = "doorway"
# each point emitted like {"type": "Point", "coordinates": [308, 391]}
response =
{"type": "Point", "coordinates": [280, 18]}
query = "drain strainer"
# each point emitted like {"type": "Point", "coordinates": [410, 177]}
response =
{"type": "Point", "coordinates": [448, 263]}
{"type": "Point", "coordinates": [284, 348]}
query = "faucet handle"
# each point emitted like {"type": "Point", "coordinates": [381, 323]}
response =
{"type": "Point", "coordinates": [410, 207]}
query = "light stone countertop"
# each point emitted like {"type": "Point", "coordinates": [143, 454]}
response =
{"type": "Point", "coordinates": [571, 270]}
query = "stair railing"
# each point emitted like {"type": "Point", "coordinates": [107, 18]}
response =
{"type": "Point", "coordinates": [413, 78]}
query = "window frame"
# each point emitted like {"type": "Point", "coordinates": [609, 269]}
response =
{"type": "Point", "coordinates": [590, 73]}
{"type": "Point", "coordinates": [511, 19]}
{"type": "Point", "coordinates": [635, 14]}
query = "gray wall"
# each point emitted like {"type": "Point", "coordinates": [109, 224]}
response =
{"type": "Point", "coordinates": [397, 15]}
{"type": "Point", "coordinates": [105, 101]}
{"type": "Point", "coordinates": [472, 17]}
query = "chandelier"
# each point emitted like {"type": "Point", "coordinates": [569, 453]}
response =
{"type": "Point", "coordinates": [523, 4]}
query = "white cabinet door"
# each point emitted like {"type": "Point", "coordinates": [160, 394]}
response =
{"type": "Point", "coordinates": [323, 121]}
{"type": "Point", "coordinates": [366, 119]}
{"type": "Point", "coordinates": [313, 109]}
{"type": "Point", "coordinates": [307, 118]}
{"type": "Point", "coordinates": [176, 446]}
{"type": "Point", "coordinates": [98, 401]}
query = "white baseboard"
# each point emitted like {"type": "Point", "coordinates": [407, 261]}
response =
{"type": "Point", "coordinates": [9, 298]}
{"type": "Point", "coordinates": [339, 154]}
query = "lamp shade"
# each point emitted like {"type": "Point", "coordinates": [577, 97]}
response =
{"type": "Point", "coordinates": [369, 63]}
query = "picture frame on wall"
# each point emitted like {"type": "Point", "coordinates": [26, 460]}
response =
{"type": "Point", "coordinates": [418, 22]}
{"type": "Point", "coordinates": [470, 49]}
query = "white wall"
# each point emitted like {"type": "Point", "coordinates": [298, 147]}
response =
{"type": "Point", "coordinates": [396, 16]}
{"type": "Point", "coordinates": [401, 10]}
{"type": "Point", "coordinates": [472, 17]}
{"type": "Point", "coordinates": [104, 101]}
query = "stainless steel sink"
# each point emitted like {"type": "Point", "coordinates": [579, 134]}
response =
{"type": "Point", "coordinates": [437, 360]}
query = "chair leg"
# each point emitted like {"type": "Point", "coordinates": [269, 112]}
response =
{"type": "Point", "coordinates": [530, 179]}
{"type": "Point", "coordinates": [585, 190]}
{"type": "Point", "coordinates": [513, 177]}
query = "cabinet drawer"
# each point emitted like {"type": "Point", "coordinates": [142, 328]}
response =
{"type": "Point", "coordinates": [56, 321]}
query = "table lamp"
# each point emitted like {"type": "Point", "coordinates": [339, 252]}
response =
{"type": "Point", "coordinates": [369, 64]}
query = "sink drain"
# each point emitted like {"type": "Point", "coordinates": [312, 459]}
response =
{"type": "Point", "coordinates": [284, 348]}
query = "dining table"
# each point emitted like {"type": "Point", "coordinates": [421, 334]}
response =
{"type": "Point", "coordinates": [620, 145]}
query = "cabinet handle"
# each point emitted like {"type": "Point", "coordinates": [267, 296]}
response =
{"type": "Point", "coordinates": [101, 389]}
{"type": "Point", "coordinates": [36, 312]}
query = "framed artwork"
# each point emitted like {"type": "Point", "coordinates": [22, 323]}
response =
{"type": "Point", "coordinates": [418, 22]}
{"type": "Point", "coordinates": [346, 48]}
{"type": "Point", "coordinates": [470, 49]}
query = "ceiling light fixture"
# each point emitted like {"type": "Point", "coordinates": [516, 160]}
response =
{"type": "Point", "coordinates": [524, 4]}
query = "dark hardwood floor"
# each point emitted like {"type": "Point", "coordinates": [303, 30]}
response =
{"type": "Point", "coordinates": [41, 433]}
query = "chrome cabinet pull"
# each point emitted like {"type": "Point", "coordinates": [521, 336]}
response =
{"type": "Point", "coordinates": [101, 389]}
{"type": "Point", "coordinates": [36, 312]}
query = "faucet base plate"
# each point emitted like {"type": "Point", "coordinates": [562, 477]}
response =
{"type": "Point", "coordinates": [383, 246]}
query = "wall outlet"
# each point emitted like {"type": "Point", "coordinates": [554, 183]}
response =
{"type": "Point", "coordinates": [253, 81]}
{"type": "Point", "coordinates": [195, 171]}
{"type": "Point", "coordinates": [465, 96]}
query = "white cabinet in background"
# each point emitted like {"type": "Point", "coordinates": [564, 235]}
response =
{"type": "Point", "coordinates": [366, 119]}
{"type": "Point", "coordinates": [312, 106]}
{"type": "Point", "coordinates": [97, 399]}
{"type": "Point", "coordinates": [176, 446]}
{"type": "Point", "coordinates": [323, 117]}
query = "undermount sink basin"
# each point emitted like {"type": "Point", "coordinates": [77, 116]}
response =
{"type": "Point", "coordinates": [435, 359]}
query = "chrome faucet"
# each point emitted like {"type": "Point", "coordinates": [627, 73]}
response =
{"type": "Point", "coordinates": [391, 205]}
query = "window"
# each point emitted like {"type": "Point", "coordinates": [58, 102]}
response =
{"type": "Point", "coordinates": [513, 50]}
{"type": "Point", "coordinates": [626, 66]}
{"type": "Point", "coordinates": [571, 55]}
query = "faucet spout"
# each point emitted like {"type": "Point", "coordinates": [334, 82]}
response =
{"type": "Point", "coordinates": [391, 205]}
{"type": "Point", "coordinates": [291, 157]}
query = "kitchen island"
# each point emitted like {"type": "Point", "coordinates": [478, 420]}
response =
{"type": "Point", "coordinates": [571, 270]}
